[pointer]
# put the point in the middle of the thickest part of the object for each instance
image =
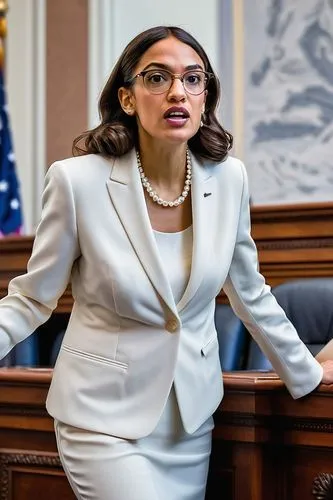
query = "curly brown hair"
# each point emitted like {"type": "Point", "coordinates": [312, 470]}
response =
{"type": "Point", "coordinates": [118, 133]}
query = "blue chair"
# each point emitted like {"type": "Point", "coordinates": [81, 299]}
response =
{"type": "Point", "coordinates": [231, 337]}
{"type": "Point", "coordinates": [23, 354]}
{"type": "Point", "coordinates": [26, 352]}
{"type": "Point", "coordinates": [308, 303]}
{"type": "Point", "coordinates": [56, 347]}
{"type": "Point", "coordinates": [256, 359]}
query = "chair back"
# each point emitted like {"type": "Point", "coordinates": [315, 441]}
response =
{"type": "Point", "coordinates": [308, 303]}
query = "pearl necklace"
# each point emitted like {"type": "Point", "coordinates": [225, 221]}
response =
{"type": "Point", "coordinates": [152, 193]}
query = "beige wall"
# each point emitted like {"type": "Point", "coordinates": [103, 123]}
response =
{"type": "Point", "coordinates": [66, 75]}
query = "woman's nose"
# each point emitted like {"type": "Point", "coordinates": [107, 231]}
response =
{"type": "Point", "coordinates": [177, 90]}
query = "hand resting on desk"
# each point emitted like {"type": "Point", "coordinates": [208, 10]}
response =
{"type": "Point", "coordinates": [325, 358]}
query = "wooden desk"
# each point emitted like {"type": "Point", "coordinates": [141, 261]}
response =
{"type": "Point", "coordinates": [266, 446]}
{"type": "Point", "coordinates": [29, 464]}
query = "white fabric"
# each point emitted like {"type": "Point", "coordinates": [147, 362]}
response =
{"type": "Point", "coordinates": [167, 465]}
{"type": "Point", "coordinates": [176, 254]}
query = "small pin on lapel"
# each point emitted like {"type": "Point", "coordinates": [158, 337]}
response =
{"type": "Point", "coordinates": [207, 194]}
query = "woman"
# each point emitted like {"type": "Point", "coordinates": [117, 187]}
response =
{"type": "Point", "coordinates": [148, 221]}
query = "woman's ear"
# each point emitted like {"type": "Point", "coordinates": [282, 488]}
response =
{"type": "Point", "coordinates": [126, 100]}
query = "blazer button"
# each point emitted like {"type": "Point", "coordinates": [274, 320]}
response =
{"type": "Point", "coordinates": [171, 325]}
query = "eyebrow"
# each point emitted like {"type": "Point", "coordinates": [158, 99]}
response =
{"type": "Point", "coordinates": [165, 66]}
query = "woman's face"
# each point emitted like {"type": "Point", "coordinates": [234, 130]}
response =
{"type": "Point", "coordinates": [155, 113]}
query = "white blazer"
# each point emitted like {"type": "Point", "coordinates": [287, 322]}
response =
{"type": "Point", "coordinates": [124, 348]}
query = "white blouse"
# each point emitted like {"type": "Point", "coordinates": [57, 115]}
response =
{"type": "Point", "coordinates": [176, 254]}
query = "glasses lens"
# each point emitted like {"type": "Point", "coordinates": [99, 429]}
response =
{"type": "Point", "coordinates": [195, 82]}
{"type": "Point", "coordinates": [157, 81]}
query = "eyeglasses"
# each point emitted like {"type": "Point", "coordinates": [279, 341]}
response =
{"type": "Point", "coordinates": [159, 81]}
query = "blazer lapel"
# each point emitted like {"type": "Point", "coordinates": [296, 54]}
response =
{"type": "Point", "coordinates": [127, 196]}
{"type": "Point", "coordinates": [204, 197]}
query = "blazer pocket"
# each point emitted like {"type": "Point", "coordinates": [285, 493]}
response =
{"type": "Point", "coordinates": [94, 357]}
{"type": "Point", "coordinates": [210, 346]}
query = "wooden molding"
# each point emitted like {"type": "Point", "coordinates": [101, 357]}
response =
{"type": "Point", "coordinates": [323, 487]}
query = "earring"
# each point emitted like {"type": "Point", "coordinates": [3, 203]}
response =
{"type": "Point", "coordinates": [202, 119]}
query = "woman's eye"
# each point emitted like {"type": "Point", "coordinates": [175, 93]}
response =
{"type": "Point", "coordinates": [156, 78]}
{"type": "Point", "coordinates": [193, 79]}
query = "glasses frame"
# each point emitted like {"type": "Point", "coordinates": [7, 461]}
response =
{"type": "Point", "coordinates": [174, 76]}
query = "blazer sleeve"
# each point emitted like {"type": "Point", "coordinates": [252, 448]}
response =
{"type": "Point", "coordinates": [255, 305]}
{"type": "Point", "coordinates": [33, 296]}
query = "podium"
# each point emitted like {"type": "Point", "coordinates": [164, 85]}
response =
{"type": "Point", "coordinates": [266, 446]}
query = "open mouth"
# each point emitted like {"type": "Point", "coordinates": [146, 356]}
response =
{"type": "Point", "coordinates": [176, 116]}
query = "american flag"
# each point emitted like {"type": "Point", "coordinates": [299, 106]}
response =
{"type": "Point", "coordinates": [10, 199]}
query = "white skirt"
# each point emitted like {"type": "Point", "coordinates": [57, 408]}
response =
{"type": "Point", "coordinates": [169, 464]}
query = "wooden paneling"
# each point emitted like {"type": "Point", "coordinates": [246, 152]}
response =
{"type": "Point", "coordinates": [27, 475]}
{"type": "Point", "coordinates": [293, 241]}
{"type": "Point", "coordinates": [29, 464]}
{"type": "Point", "coordinates": [267, 445]}
{"type": "Point", "coordinates": [14, 256]}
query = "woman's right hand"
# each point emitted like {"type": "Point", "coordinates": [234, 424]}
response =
{"type": "Point", "coordinates": [328, 372]}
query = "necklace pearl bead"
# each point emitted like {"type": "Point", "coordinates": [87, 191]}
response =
{"type": "Point", "coordinates": [151, 191]}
